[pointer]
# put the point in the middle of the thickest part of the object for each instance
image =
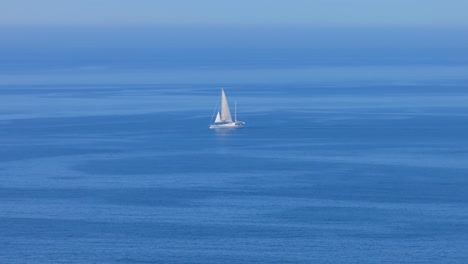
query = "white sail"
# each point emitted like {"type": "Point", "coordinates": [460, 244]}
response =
{"type": "Point", "coordinates": [218, 118]}
{"type": "Point", "coordinates": [225, 113]}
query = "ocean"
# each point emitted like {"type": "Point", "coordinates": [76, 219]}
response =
{"type": "Point", "coordinates": [360, 173]}
{"type": "Point", "coordinates": [356, 162]}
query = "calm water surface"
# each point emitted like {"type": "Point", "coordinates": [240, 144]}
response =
{"type": "Point", "coordinates": [354, 173]}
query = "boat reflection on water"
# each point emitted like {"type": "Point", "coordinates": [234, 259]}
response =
{"type": "Point", "coordinates": [224, 132]}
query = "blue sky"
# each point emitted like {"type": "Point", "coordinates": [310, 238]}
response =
{"type": "Point", "coordinates": [441, 13]}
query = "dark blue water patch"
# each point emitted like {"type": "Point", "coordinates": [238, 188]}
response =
{"type": "Point", "coordinates": [334, 215]}
{"type": "Point", "coordinates": [394, 227]}
{"type": "Point", "coordinates": [186, 163]}
{"type": "Point", "coordinates": [312, 179]}
{"type": "Point", "coordinates": [16, 153]}
{"type": "Point", "coordinates": [397, 222]}
{"type": "Point", "coordinates": [154, 197]}
{"type": "Point", "coordinates": [52, 228]}
{"type": "Point", "coordinates": [374, 183]}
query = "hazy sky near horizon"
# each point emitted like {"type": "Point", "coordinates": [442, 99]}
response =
{"type": "Point", "coordinates": [451, 13]}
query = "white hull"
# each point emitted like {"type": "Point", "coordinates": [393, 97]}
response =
{"type": "Point", "coordinates": [237, 124]}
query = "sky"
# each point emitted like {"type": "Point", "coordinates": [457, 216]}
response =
{"type": "Point", "coordinates": [134, 39]}
{"type": "Point", "coordinates": [433, 13]}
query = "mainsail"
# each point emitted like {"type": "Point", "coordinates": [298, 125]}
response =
{"type": "Point", "coordinates": [225, 113]}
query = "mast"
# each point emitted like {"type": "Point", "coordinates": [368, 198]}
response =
{"type": "Point", "coordinates": [235, 111]}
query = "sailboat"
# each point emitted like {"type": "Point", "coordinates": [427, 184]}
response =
{"type": "Point", "coordinates": [223, 115]}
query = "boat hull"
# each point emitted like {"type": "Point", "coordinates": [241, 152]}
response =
{"type": "Point", "coordinates": [237, 124]}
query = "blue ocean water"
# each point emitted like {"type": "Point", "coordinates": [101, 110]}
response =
{"type": "Point", "coordinates": [354, 172]}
